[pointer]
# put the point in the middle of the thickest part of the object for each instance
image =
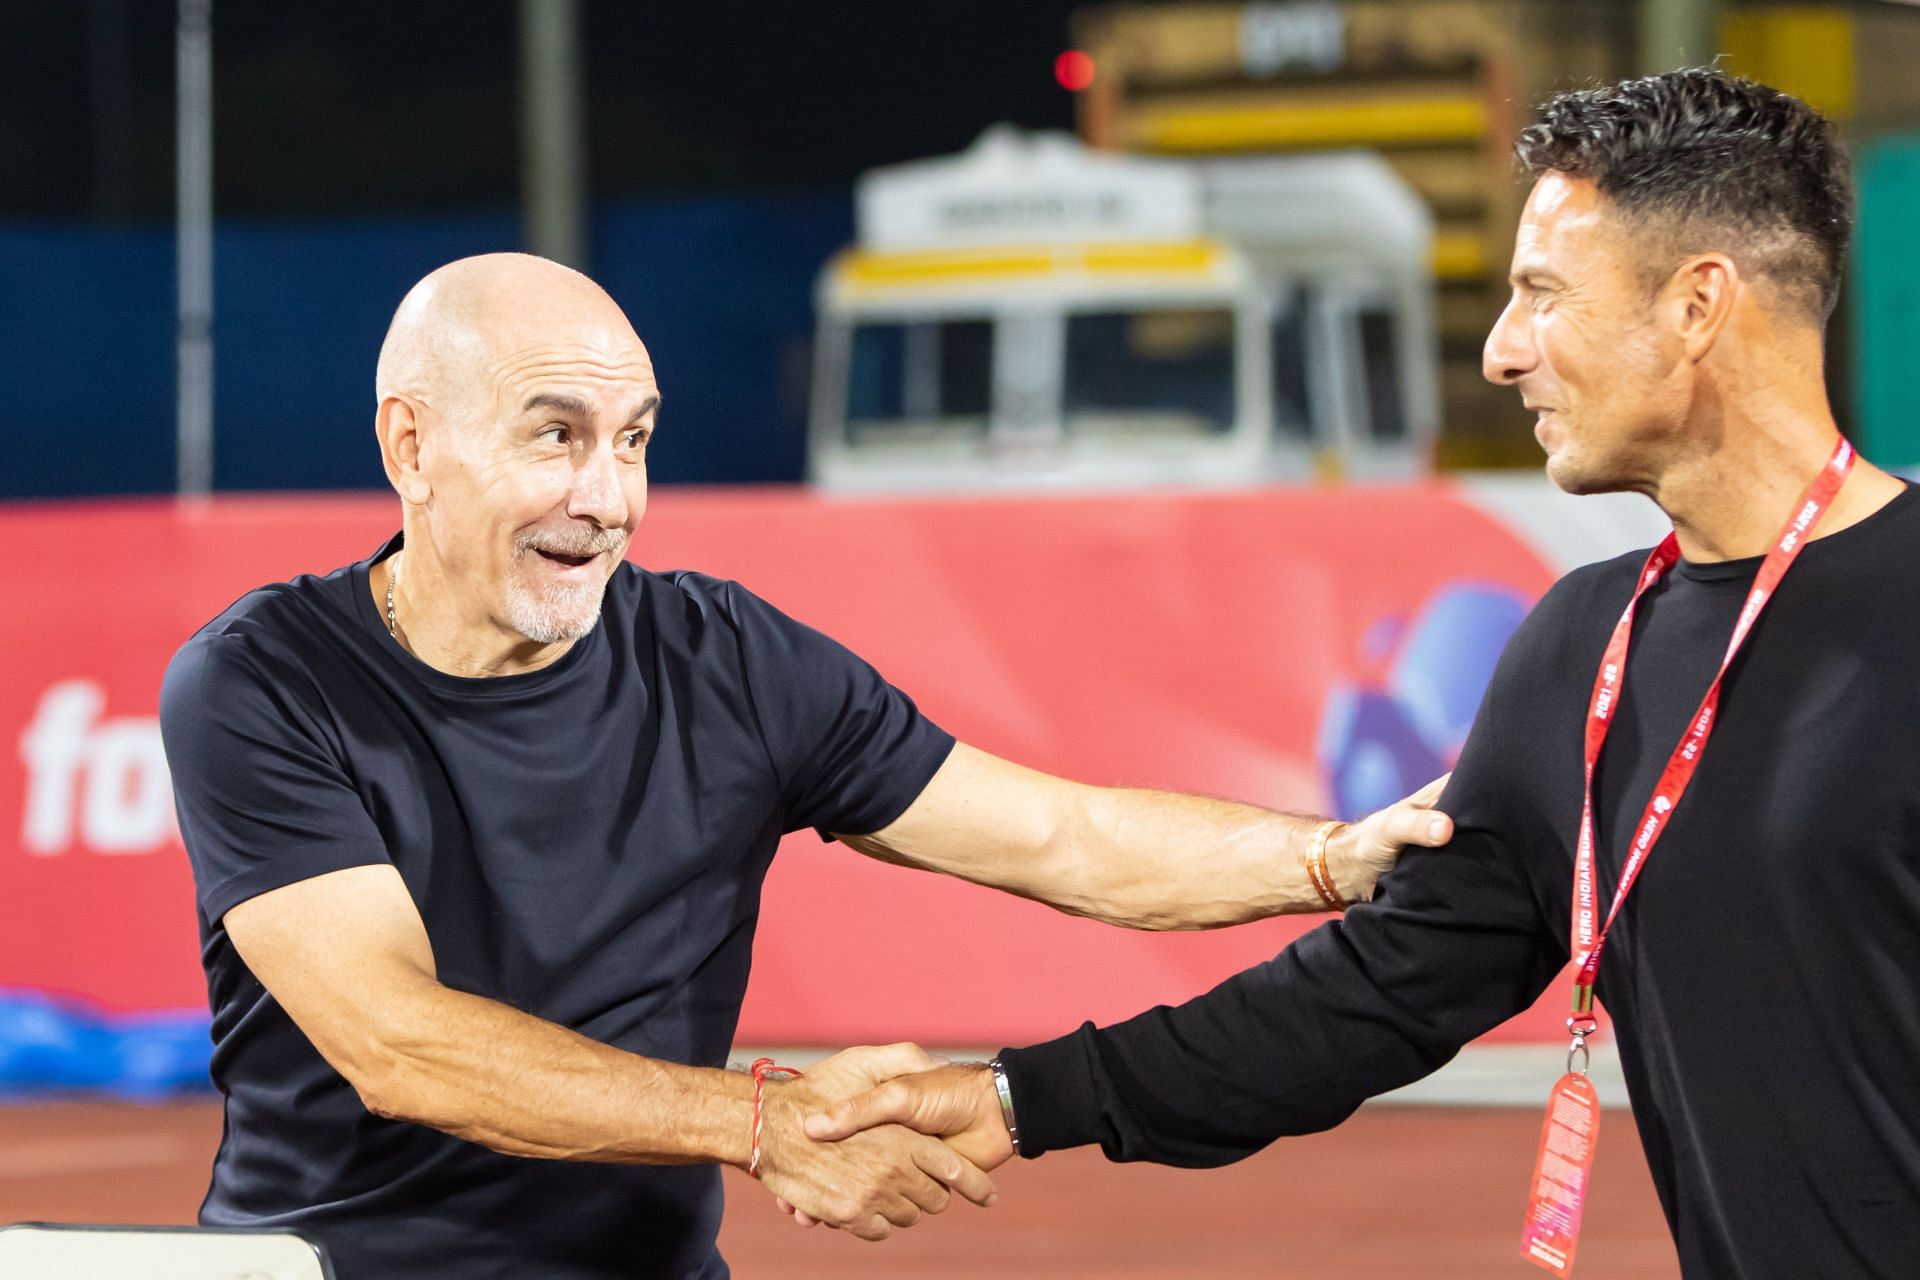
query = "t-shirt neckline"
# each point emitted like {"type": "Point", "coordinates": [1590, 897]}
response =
{"type": "Point", "coordinates": [1747, 566]}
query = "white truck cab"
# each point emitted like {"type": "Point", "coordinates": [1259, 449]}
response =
{"type": "Point", "coordinates": [1031, 313]}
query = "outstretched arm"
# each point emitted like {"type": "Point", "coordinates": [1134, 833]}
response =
{"type": "Point", "coordinates": [1454, 945]}
{"type": "Point", "coordinates": [347, 956]}
{"type": "Point", "coordinates": [1143, 859]}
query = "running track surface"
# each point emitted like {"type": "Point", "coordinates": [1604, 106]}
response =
{"type": "Point", "coordinates": [1416, 1192]}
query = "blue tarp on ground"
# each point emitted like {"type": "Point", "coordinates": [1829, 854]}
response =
{"type": "Point", "coordinates": [51, 1045]}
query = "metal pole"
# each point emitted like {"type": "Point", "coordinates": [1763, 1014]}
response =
{"type": "Point", "coordinates": [1678, 33]}
{"type": "Point", "coordinates": [193, 247]}
{"type": "Point", "coordinates": [553, 167]}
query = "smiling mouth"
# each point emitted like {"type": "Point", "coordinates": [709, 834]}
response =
{"type": "Point", "coordinates": [571, 562]}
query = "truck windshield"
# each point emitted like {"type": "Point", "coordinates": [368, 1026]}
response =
{"type": "Point", "coordinates": [1149, 373]}
{"type": "Point", "coordinates": [919, 380]}
{"type": "Point", "coordinates": [1292, 407]}
{"type": "Point", "coordinates": [1380, 355]}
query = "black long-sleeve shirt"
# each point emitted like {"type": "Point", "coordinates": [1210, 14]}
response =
{"type": "Point", "coordinates": [1763, 980]}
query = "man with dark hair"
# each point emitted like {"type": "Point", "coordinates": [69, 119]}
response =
{"type": "Point", "coordinates": [1750, 740]}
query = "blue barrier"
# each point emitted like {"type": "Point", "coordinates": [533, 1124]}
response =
{"type": "Point", "coordinates": [719, 288]}
{"type": "Point", "coordinates": [50, 1045]}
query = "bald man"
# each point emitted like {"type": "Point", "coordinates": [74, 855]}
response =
{"type": "Point", "coordinates": [478, 828]}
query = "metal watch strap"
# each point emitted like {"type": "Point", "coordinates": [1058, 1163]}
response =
{"type": "Point", "coordinates": [1001, 1087]}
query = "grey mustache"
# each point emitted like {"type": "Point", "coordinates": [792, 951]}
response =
{"type": "Point", "coordinates": [593, 545]}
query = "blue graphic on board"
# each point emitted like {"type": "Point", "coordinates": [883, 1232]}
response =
{"type": "Point", "coordinates": [51, 1044]}
{"type": "Point", "coordinates": [1383, 737]}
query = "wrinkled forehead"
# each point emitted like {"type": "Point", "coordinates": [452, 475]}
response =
{"type": "Point", "coordinates": [592, 361]}
{"type": "Point", "coordinates": [596, 361]}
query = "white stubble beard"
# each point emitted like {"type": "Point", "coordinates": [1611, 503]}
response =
{"type": "Point", "coordinates": [557, 614]}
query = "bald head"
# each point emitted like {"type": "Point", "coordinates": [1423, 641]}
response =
{"type": "Point", "coordinates": [515, 409]}
{"type": "Point", "coordinates": [462, 327]}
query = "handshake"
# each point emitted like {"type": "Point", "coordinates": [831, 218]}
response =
{"type": "Point", "coordinates": [871, 1138]}
{"type": "Point", "coordinates": [857, 1142]}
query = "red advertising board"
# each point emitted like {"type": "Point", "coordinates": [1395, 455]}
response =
{"type": "Point", "coordinates": [1276, 647]}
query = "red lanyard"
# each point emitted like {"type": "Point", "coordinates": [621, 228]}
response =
{"type": "Point", "coordinates": [1686, 757]}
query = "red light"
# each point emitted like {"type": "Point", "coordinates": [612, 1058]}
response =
{"type": "Point", "coordinates": [1074, 70]}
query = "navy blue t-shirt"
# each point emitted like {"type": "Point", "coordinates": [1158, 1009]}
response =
{"type": "Point", "coordinates": [585, 843]}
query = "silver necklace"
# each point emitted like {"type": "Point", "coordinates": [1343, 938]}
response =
{"type": "Point", "coordinates": [393, 576]}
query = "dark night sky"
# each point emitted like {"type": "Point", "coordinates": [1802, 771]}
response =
{"type": "Point", "coordinates": [369, 106]}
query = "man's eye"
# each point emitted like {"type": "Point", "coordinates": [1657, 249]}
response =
{"type": "Point", "coordinates": [557, 434]}
{"type": "Point", "coordinates": [636, 439]}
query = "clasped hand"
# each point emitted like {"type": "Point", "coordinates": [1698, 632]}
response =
{"type": "Point", "coordinates": [867, 1177]}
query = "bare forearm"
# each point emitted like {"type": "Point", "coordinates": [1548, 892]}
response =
{"type": "Point", "coordinates": [493, 1075]}
{"type": "Point", "coordinates": [1159, 860]}
{"type": "Point", "coordinates": [509, 1081]}
{"type": "Point", "coordinates": [1143, 859]}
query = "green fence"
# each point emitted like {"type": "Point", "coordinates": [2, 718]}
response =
{"type": "Point", "coordinates": [1886, 302]}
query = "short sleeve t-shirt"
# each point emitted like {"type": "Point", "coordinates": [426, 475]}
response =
{"type": "Point", "coordinates": [585, 843]}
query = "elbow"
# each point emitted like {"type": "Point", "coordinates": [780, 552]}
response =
{"type": "Point", "coordinates": [1108, 861]}
{"type": "Point", "coordinates": [403, 1072]}
{"type": "Point", "coordinates": [1144, 916]}
{"type": "Point", "coordinates": [1136, 907]}
{"type": "Point", "coordinates": [384, 1094]}
{"type": "Point", "coordinates": [381, 1104]}
{"type": "Point", "coordinates": [1150, 903]}
{"type": "Point", "coordinates": [406, 1094]}
{"type": "Point", "coordinates": [386, 1088]}
{"type": "Point", "coordinates": [387, 1066]}
{"type": "Point", "coordinates": [1082, 890]}
{"type": "Point", "coordinates": [1082, 867]}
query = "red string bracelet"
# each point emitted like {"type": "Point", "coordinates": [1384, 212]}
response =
{"type": "Point", "coordinates": [762, 1068]}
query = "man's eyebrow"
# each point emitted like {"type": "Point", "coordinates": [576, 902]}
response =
{"type": "Point", "coordinates": [650, 405]}
{"type": "Point", "coordinates": [560, 402]}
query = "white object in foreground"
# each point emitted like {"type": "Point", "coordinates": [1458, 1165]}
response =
{"type": "Point", "coordinates": [43, 1251]}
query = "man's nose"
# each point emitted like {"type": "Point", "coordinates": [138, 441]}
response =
{"type": "Point", "coordinates": [597, 494]}
{"type": "Point", "coordinates": [1508, 354]}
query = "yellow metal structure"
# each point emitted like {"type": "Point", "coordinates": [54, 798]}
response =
{"type": "Point", "coordinates": [1192, 261]}
{"type": "Point", "coordinates": [1807, 50]}
{"type": "Point", "coordinates": [1397, 120]}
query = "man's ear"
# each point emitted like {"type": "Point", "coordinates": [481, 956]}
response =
{"type": "Point", "coordinates": [1700, 297]}
{"type": "Point", "coordinates": [397, 424]}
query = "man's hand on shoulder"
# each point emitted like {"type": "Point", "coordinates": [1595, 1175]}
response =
{"type": "Point", "coordinates": [1359, 853]}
